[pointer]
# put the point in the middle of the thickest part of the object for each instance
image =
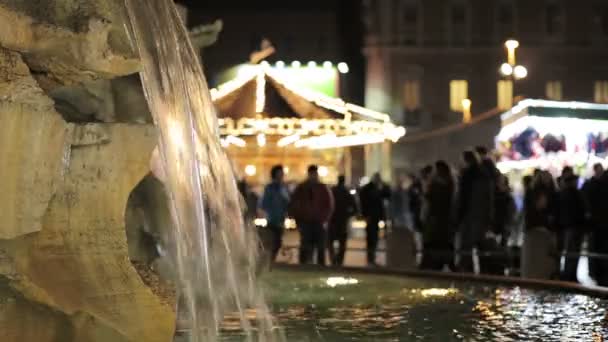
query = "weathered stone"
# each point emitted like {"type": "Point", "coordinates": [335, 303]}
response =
{"type": "Point", "coordinates": [32, 147]}
{"type": "Point", "coordinates": [65, 273]}
{"type": "Point", "coordinates": [78, 262]}
{"type": "Point", "coordinates": [91, 101]}
{"type": "Point", "coordinates": [68, 41]}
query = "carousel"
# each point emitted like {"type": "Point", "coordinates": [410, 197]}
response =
{"type": "Point", "coordinates": [549, 135]}
{"type": "Point", "coordinates": [266, 120]}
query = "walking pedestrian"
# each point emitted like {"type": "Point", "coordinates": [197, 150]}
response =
{"type": "Point", "coordinates": [475, 208]}
{"type": "Point", "coordinates": [345, 207]}
{"type": "Point", "coordinates": [594, 191]}
{"type": "Point", "coordinates": [437, 233]}
{"type": "Point", "coordinates": [570, 225]}
{"type": "Point", "coordinates": [373, 197]}
{"type": "Point", "coordinates": [274, 203]}
{"type": "Point", "coordinates": [312, 205]}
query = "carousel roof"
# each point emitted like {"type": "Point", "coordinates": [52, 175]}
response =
{"type": "Point", "coordinates": [260, 101]}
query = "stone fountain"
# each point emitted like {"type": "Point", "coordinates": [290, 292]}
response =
{"type": "Point", "coordinates": [79, 209]}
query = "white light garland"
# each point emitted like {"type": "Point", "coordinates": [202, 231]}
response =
{"type": "Point", "coordinates": [304, 132]}
{"type": "Point", "coordinates": [232, 140]}
{"type": "Point", "coordinates": [288, 140]}
{"type": "Point", "coordinates": [260, 91]}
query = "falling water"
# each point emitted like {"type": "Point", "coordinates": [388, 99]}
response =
{"type": "Point", "coordinates": [215, 255]}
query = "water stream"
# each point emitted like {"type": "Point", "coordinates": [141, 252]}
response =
{"type": "Point", "coordinates": [214, 253]}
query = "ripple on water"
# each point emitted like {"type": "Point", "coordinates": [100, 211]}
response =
{"type": "Point", "coordinates": [398, 309]}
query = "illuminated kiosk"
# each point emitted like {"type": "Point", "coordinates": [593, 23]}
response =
{"type": "Point", "coordinates": [266, 119]}
{"type": "Point", "coordinates": [552, 134]}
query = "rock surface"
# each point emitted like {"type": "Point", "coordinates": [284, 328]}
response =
{"type": "Point", "coordinates": [68, 41]}
{"type": "Point", "coordinates": [65, 272]}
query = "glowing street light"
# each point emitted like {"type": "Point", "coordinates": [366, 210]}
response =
{"type": "Point", "coordinates": [466, 110]}
{"type": "Point", "coordinates": [312, 64]}
{"type": "Point", "coordinates": [506, 69]}
{"type": "Point", "coordinates": [327, 65]}
{"type": "Point", "coordinates": [511, 45]}
{"type": "Point", "coordinates": [343, 68]}
{"type": "Point", "coordinates": [280, 64]}
{"type": "Point", "coordinates": [296, 64]}
{"type": "Point", "coordinates": [520, 72]}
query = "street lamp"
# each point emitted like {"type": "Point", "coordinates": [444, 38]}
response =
{"type": "Point", "coordinates": [466, 110]}
{"type": "Point", "coordinates": [520, 72]}
{"type": "Point", "coordinates": [510, 70]}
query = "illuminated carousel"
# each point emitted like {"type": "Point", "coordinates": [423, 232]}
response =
{"type": "Point", "coordinates": [266, 119]}
{"type": "Point", "coordinates": [550, 135]}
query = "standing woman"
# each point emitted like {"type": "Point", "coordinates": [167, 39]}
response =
{"type": "Point", "coordinates": [437, 233]}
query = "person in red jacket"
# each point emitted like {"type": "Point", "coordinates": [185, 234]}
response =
{"type": "Point", "coordinates": [312, 205]}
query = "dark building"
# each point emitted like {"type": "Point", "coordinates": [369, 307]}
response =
{"type": "Point", "coordinates": [425, 56]}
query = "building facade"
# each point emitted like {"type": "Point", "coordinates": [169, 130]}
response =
{"type": "Point", "coordinates": [425, 56]}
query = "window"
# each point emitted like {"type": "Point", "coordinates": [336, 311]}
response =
{"type": "Point", "coordinates": [553, 19]}
{"type": "Point", "coordinates": [553, 90]}
{"type": "Point", "coordinates": [600, 21]}
{"type": "Point", "coordinates": [411, 95]}
{"type": "Point", "coordinates": [459, 90]}
{"type": "Point", "coordinates": [409, 22]}
{"type": "Point", "coordinates": [601, 91]}
{"type": "Point", "coordinates": [504, 92]}
{"type": "Point", "coordinates": [459, 23]}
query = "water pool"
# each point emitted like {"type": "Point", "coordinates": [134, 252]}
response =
{"type": "Point", "coordinates": [354, 306]}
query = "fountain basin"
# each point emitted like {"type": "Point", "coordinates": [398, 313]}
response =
{"type": "Point", "coordinates": [382, 305]}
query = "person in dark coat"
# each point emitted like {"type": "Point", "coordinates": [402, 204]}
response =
{"type": "Point", "coordinates": [437, 233]}
{"type": "Point", "coordinates": [373, 196]}
{"type": "Point", "coordinates": [594, 194]}
{"type": "Point", "coordinates": [570, 224]}
{"type": "Point", "coordinates": [416, 195]}
{"type": "Point", "coordinates": [475, 208]}
{"type": "Point", "coordinates": [504, 209]}
{"type": "Point", "coordinates": [540, 202]}
{"type": "Point", "coordinates": [312, 205]}
{"type": "Point", "coordinates": [345, 208]}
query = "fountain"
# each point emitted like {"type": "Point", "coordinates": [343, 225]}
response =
{"type": "Point", "coordinates": [213, 251]}
{"type": "Point", "coordinates": [74, 152]}
{"type": "Point", "coordinates": [96, 185]}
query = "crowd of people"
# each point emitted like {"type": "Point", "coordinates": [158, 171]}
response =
{"type": "Point", "coordinates": [465, 218]}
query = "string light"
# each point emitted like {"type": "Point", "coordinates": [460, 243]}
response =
{"type": "Point", "coordinates": [337, 142]}
{"type": "Point", "coordinates": [343, 67]}
{"type": "Point", "coordinates": [312, 64]}
{"type": "Point", "coordinates": [288, 140]}
{"type": "Point", "coordinates": [323, 171]}
{"type": "Point", "coordinates": [260, 91]}
{"type": "Point", "coordinates": [250, 170]}
{"type": "Point", "coordinates": [261, 138]}
{"type": "Point", "coordinates": [231, 139]}
{"type": "Point", "coordinates": [327, 65]}
{"type": "Point", "coordinates": [296, 64]}
{"type": "Point", "coordinates": [280, 64]}
{"type": "Point", "coordinates": [371, 127]}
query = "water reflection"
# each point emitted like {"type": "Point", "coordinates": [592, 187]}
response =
{"type": "Point", "coordinates": [394, 309]}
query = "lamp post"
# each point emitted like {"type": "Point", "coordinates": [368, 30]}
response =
{"type": "Point", "coordinates": [510, 70]}
{"type": "Point", "coordinates": [466, 111]}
